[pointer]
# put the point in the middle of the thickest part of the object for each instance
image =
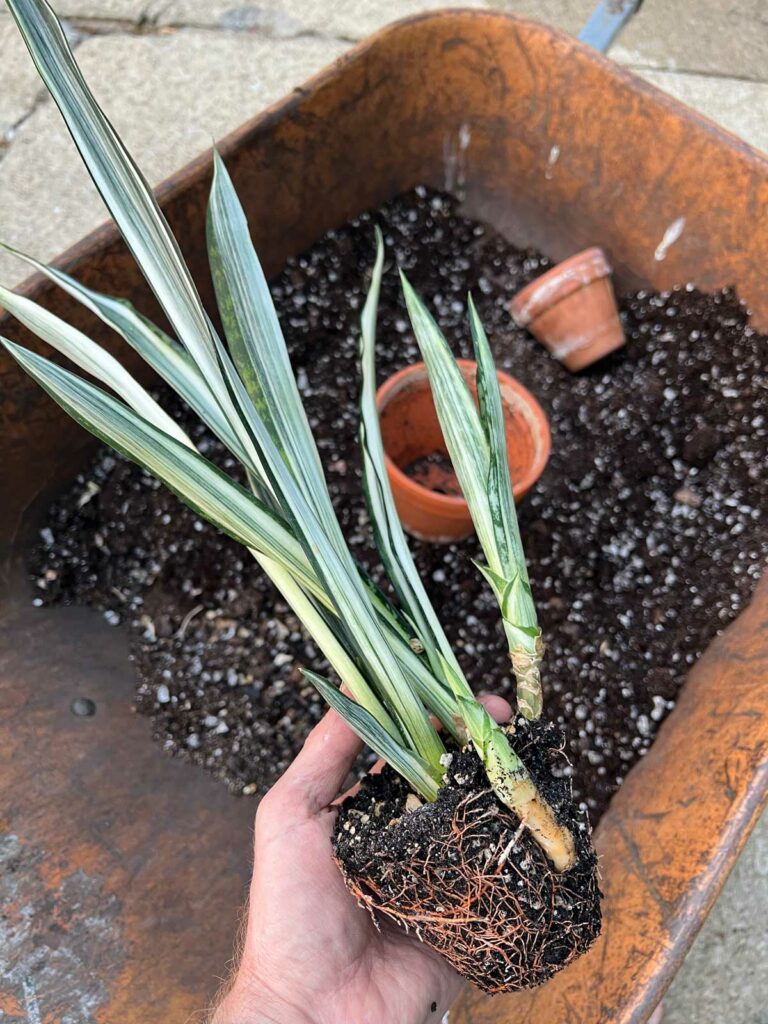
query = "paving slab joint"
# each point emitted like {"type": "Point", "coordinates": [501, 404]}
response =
{"type": "Point", "coordinates": [7, 137]}
{"type": "Point", "coordinates": [81, 27]}
{"type": "Point", "coordinates": [641, 68]}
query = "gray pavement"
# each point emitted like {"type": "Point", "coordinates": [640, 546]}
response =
{"type": "Point", "coordinates": [147, 59]}
{"type": "Point", "coordinates": [152, 61]}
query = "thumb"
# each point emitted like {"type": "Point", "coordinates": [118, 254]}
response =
{"type": "Point", "coordinates": [316, 775]}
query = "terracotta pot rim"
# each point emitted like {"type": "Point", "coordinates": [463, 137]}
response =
{"type": "Point", "coordinates": [558, 283]}
{"type": "Point", "coordinates": [453, 506]}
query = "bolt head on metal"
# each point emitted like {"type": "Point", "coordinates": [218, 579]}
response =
{"type": "Point", "coordinates": [83, 707]}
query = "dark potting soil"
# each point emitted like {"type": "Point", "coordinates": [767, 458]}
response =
{"type": "Point", "coordinates": [643, 535]}
{"type": "Point", "coordinates": [465, 877]}
{"type": "Point", "coordinates": [435, 472]}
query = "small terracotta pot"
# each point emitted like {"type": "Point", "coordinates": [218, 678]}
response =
{"type": "Point", "coordinates": [572, 310]}
{"type": "Point", "coordinates": [428, 497]}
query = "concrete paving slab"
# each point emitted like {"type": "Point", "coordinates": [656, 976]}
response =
{"type": "Point", "coordinates": [122, 10]}
{"type": "Point", "coordinates": [729, 39]}
{"type": "Point", "coordinates": [19, 82]}
{"type": "Point", "coordinates": [168, 96]}
{"type": "Point", "coordinates": [739, 106]}
{"type": "Point", "coordinates": [707, 36]}
{"type": "Point", "coordinates": [724, 977]}
{"type": "Point", "coordinates": [568, 15]}
{"type": "Point", "coordinates": [353, 19]}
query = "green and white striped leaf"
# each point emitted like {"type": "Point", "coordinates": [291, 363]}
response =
{"type": "Point", "coordinates": [259, 351]}
{"type": "Point", "coordinates": [256, 341]}
{"type": "Point", "coordinates": [116, 176]}
{"type": "Point", "coordinates": [476, 442]}
{"type": "Point", "coordinates": [90, 357]}
{"type": "Point", "coordinates": [166, 357]}
{"type": "Point", "coordinates": [313, 524]}
{"type": "Point", "coordinates": [388, 531]}
{"type": "Point", "coordinates": [128, 198]}
{"type": "Point", "coordinates": [430, 688]}
{"type": "Point", "coordinates": [329, 636]}
{"type": "Point", "coordinates": [351, 599]}
{"type": "Point", "coordinates": [463, 433]}
{"type": "Point", "coordinates": [412, 768]}
{"type": "Point", "coordinates": [515, 599]}
{"type": "Point", "coordinates": [501, 502]}
{"type": "Point", "coordinates": [199, 483]}
{"type": "Point", "coordinates": [512, 586]}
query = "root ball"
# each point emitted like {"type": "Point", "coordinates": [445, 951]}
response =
{"type": "Point", "coordinates": [463, 875]}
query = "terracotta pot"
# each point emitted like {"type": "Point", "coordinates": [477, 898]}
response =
{"type": "Point", "coordinates": [571, 310]}
{"type": "Point", "coordinates": [486, 100]}
{"type": "Point", "coordinates": [428, 497]}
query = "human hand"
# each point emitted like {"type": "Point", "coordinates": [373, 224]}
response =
{"type": "Point", "coordinates": [311, 955]}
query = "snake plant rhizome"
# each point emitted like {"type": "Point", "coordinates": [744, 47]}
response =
{"type": "Point", "coordinates": [468, 837]}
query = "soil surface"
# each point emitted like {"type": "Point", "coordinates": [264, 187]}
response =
{"type": "Point", "coordinates": [643, 535]}
{"type": "Point", "coordinates": [465, 877]}
{"type": "Point", "coordinates": [435, 472]}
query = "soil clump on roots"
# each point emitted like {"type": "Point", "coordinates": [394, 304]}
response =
{"type": "Point", "coordinates": [465, 877]}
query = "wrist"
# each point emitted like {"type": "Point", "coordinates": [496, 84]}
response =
{"type": "Point", "coordinates": [249, 1002]}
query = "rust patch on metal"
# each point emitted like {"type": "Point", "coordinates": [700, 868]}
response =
{"type": "Point", "coordinates": [61, 944]}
